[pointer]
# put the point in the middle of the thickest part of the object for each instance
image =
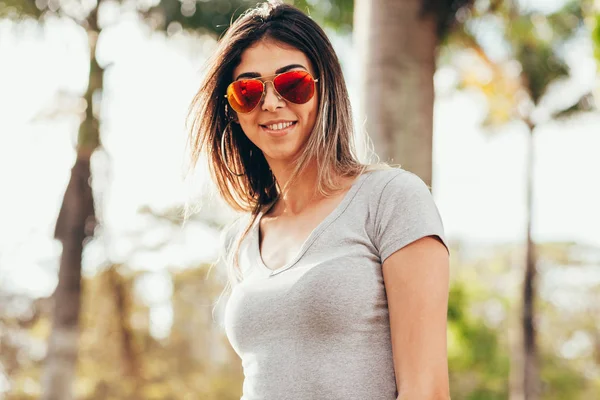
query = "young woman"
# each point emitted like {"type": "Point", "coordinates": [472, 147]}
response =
{"type": "Point", "coordinates": [339, 271]}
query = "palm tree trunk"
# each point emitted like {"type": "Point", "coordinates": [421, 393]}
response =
{"type": "Point", "coordinates": [75, 223]}
{"type": "Point", "coordinates": [397, 50]}
{"type": "Point", "coordinates": [531, 386]}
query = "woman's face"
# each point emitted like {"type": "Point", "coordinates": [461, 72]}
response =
{"type": "Point", "coordinates": [266, 58]}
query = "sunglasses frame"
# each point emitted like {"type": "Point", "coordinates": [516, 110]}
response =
{"type": "Point", "coordinates": [264, 80]}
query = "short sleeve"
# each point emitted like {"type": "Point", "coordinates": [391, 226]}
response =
{"type": "Point", "coordinates": [405, 213]}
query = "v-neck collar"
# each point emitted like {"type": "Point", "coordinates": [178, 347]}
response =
{"type": "Point", "coordinates": [310, 239]}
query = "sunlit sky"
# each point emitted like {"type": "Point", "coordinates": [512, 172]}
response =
{"type": "Point", "coordinates": [479, 181]}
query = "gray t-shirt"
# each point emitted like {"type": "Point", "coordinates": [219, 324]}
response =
{"type": "Point", "coordinates": [318, 328]}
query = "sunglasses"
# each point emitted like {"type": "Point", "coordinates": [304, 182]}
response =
{"type": "Point", "coordinates": [297, 87]}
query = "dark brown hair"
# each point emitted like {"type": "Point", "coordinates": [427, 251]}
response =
{"type": "Point", "coordinates": [330, 145]}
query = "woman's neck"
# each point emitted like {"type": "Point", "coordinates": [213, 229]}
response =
{"type": "Point", "coordinates": [299, 195]}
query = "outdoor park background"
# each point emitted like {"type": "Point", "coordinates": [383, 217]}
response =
{"type": "Point", "coordinates": [146, 328]}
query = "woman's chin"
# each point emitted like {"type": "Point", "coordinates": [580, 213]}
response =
{"type": "Point", "coordinates": [283, 155]}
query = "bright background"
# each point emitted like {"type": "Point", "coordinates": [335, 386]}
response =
{"type": "Point", "coordinates": [479, 180]}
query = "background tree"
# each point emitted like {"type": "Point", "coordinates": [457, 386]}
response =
{"type": "Point", "coordinates": [518, 94]}
{"type": "Point", "coordinates": [76, 219]}
{"type": "Point", "coordinates": [397, 44]}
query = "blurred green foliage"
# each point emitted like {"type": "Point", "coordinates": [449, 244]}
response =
{"type": "Point", "coordinates": [215, 16]}
{"type": "Point", "coordinates": [596, 34]}
{"type": "Point", "coordinates": [447, 13]}
{"type": "Point", "coordinates": [536, 40]}
{"type": "Point", "coordinates": [534, 60]}
{"type": "Point", "coordinates": [15, 9]}
{"type": "Point", "coordinates": [475, 352]}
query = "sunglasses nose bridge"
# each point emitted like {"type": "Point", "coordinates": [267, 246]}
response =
{"type": "Point", "coordinates": [265, 90]}
{"type": "Point", "coordinates": [272, 85]}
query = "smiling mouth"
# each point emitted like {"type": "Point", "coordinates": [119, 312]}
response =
{"type": "Point", "coordinates": [280, 126]}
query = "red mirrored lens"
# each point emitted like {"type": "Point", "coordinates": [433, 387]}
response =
{"type": "Point", "coordinates": [295, 86]}
{"type": "Point", "coordinates": [244, 95]}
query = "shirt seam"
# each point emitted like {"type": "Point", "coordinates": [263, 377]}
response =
{"type": "Point", "coordinates": [379, 200]}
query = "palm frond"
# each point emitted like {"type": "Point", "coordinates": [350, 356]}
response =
{"type": "Point", "coordinates": [584, 104]}
{"type": "Point", "coordinates": [541, 66]}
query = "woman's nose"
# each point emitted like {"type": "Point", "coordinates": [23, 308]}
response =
{"type": "Point", "coordinates": [271, 100]}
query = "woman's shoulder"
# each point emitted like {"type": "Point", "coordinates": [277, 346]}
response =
{"type": "Point", "coordinates": [393, 180]}
{"type": "Point", "coordinates": [403, 210]}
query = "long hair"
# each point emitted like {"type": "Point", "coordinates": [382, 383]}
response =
{"type": "Point", "coordinates": [330, 144]}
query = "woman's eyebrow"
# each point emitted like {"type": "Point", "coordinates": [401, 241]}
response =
{"type": "Point", "coordinates": [279, 71]}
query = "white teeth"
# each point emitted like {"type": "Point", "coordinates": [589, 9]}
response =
{"type": "Point", "coordinates": [279, 126]}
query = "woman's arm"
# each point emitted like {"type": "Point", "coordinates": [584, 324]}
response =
{"type": "Point", "coordinates": [416, 280]}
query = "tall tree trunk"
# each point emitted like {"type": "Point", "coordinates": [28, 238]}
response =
{"type": "Point", "coordinates": [75, 223]}
{"type": "Point", "coordinates": [397, 49]}
{"type": "Point", "coordinates": [531, 383]}
{"type": "Point", "coordinates": [129, 354]}
{"type": "Point", "coordinates": [515, 339]}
